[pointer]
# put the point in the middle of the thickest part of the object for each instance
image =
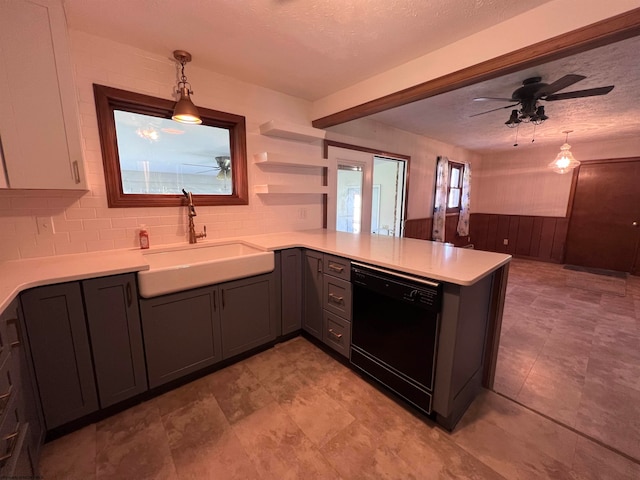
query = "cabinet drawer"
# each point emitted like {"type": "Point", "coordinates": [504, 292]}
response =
{"type": "Point", "coordinates": [336, 333]}
{"type": "Point", "coordinates": [9, 386]}
{"type": "Point", "coordinates": [337, 296]}
{"type": "Point", "coordinates": [9, 336]}
{"type": "Point", "coordinates": [10, 429]}
{"type": "Point", "coordinates": [337, 267]}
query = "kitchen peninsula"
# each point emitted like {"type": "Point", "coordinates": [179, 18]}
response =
{"type": "Point", "coordinates": [472, 284]}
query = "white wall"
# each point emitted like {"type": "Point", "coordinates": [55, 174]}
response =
{"type": "Point", "coordinates": [518, 182]}
{"type": "Point", "coordinates": [423, 151]}
{"type": "Point", "coordinates": [83, 222]}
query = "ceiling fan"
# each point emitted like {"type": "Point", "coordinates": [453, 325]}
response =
{"type": "Point", "coordinates": [532, 91]}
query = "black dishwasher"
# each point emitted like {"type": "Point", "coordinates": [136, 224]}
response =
{"type": "Point", "coordinates": [395, 330]}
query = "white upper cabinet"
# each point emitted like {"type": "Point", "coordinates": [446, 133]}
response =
{"type": "Point", "coordinates": [39, 123]}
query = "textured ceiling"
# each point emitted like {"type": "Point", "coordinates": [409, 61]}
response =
{"type": "Point", "coordinates": [305, 48]}
{"type": "Point", "coordinates": [447, 118]}
{"type": "Point", "coordinates": [312, 48]}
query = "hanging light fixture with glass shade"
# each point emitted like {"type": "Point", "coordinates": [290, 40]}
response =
{"type": "Point", "coordinates": [564, 162]}
{"type": "Point", "coordinates": [185, 111]}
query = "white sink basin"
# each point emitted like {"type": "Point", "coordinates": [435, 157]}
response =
{"type": "Point", "coordinates": [177, 269]}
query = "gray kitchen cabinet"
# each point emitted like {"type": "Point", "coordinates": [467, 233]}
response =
{"type": "Point", "coordinates": [337, 305]}
{"type": "Point", "coordinates": [312, 293]}
{"type": "Point", "coordinates": [291, 289]}
{"type": "Point", "coordinates": [21, 423]}
{"type": "Point", "coordinates": [187, 331]}
{"type": "Point", "coordinates": [181, 333]}
{"type": "Point", "coordinates": [116, 338]}
{"type": "Point", "coordinates": [461, 349]}
{"type": "Point", "coordinates": [55, 321]}
{"type": "Point", "coordinates": [248, 313]}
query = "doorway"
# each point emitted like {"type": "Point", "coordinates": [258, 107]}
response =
{"type": "Point", "coordinates": [367, 192]}
{"type": "Point", "coordinates": [604, 229]}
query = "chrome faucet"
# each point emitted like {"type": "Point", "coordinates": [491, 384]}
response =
{"type": "Point", "coordinates": [193, 236]}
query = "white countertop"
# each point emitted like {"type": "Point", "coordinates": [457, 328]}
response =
{"type": "Point", "coordinates": [418, 257]}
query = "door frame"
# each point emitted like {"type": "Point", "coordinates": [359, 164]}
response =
{"type": "Point", "coordinates": [380, 153]}
{"type": "Point", "coordinates": [572, 194]}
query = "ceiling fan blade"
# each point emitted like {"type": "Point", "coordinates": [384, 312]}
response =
{"type": "Point", "coordinates": [494, 110]}
{"type": "Point", "coordinates": [559, 84]}
{"type": "Point", "coordinates": [500, 99]}
{"type": "Point", "coordinates": [590, 92]}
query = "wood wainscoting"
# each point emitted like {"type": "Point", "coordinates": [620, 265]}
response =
{"type": "Point", "coordinates": [540, 238]}
{"type": "Point", "coordinates": [421, 228]}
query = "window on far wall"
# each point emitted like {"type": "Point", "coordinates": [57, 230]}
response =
{"type": "Point", "coordinates": [454, 191]}
{"type": "Point", "coordinates": [148, 158]}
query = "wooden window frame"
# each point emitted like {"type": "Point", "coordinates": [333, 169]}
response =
{"type": "Point", "coordinates": [108, 99]}
{"type": "Point", "coordinates": [459, 166]}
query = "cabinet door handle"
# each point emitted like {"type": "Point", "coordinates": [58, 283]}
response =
{"type": "Point", "coordinates": [12, 436]}
{"type": "Point", "coordinates": [336, 298]}
{"type": "Point", "coordinates": [336, 268]}
{"type": "Point", "coordinates": [337, 335]}
{"type": "Point", "coordinates": [215, 307]}
{"type": "Point", "coordinates": [76, 172]}
{"type": "Point", "coordinates": [17, 342]}
{"type": "Point", "coordinates": [319, 270]}
{"type": "Point", "coordinates": [222, 293]}
{"type": "Point", "coordinates": [129, 294]}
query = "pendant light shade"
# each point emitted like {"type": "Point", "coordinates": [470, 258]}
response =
{"type": "Point", "coordinates": [564, 161]}
{"type": "Point", "coordinates": [185, 111]}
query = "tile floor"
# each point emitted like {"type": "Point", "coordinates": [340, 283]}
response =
{"type": "Point", "coordinates": [294, 412]}
{"type": "Point", "coordinates": [573, 354]}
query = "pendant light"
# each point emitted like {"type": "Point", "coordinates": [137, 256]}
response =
{"type": "Point", "coordinates": [185, 111]}
{"type": "Point", "coordinates": [564, 162]}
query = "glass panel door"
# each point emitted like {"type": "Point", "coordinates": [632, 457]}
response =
{"type": "Point", "coordinates": [366, 192]}
{"type": "Point", "coordinates": [349, 198]}
{"type": "Point", "coordinates": [387, 209]}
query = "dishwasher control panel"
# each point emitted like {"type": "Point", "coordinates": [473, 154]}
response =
{"type": "Point", "coordinates": [422, 293]}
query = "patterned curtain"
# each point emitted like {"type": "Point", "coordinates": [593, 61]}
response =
{"type": "Point", "coordinates": [440, 200]}
{"type": "Point", "coordinates": [465, 202]}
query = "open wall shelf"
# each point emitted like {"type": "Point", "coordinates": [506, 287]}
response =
{"type": "Point", "coordinates": [291, 131]}
{"type": "Point", "coordinates": [289, 189]}
{"type": "Point", "coordinates": [270, 158]}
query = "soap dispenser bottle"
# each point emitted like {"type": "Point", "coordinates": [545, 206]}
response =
{"type": "Point", "coordinates": [144, 237]}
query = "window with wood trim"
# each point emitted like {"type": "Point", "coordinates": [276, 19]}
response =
{"type": "Point", "coordinates": [454, 190]}
{"type": "Point", "coordinates": [148, 158]}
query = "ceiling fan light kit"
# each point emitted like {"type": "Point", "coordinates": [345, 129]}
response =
{"type": "Point", "coordinates": [533, 91]}
{"type": "Point", "coordinates": [564, 161]}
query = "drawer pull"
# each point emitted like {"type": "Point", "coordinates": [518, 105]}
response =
{"type": "Point", "coordinates": [337, 335]}
{"type": "Point", "coordinates": [8, 394]}
{"type": "Point", "coordinates": [129, 294]}
{"type": "Point", "coordinates": [335, 298]}
{"type": "Point", "coordinates": [336, 268]}
{"type": "Point", "coordinates": [11, 436]}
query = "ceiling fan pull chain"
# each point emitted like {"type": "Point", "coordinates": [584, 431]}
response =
{"type": "Point", "coordinates": [517, 128]}
{"type": "Point", "coordinates": [533, 139]}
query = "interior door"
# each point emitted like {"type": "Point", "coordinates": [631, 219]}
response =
{"type": "Point", "coordinates": [350, 190]}
{"type": "Point", "coordinates": [367, 192]}
{"type": "Point", "coordinates": [603, 228]}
